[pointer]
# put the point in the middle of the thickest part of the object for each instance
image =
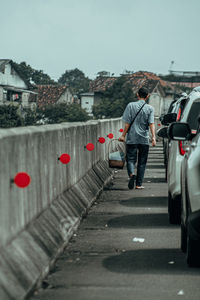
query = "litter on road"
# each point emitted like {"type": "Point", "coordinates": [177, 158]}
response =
{"type": "Point", "coordinates": [138, 240]}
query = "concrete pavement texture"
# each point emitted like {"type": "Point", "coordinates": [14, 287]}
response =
{"type": "Point", "coordinates": [125, 247]}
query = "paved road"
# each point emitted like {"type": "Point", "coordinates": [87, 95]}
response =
{"type": "Point", "coordinates": [125, 248]}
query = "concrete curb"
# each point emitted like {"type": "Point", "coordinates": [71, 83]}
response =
{"type": "Point", "coordinates": [29, 257]}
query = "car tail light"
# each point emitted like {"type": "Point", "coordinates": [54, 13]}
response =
{"type": "Point", "coordinates": [178, 115]}
{"type": "Point", "coordinates": [181, 150]}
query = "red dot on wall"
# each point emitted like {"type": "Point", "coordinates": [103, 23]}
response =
{"type": "Point", "coordinates": [110, 135]}
{"type": "Point", "coordinates": [101, 140]}
{"type": "Point", "coordinates": [121, 130]}
{"type": "Point", "coordinates": [65, 158]}
{"type": "Point", "coordinates": [158, 124]}
{"type": "Point", "coordinates": [22, 180]}
{"type": "Point", "coordinates": [90, 147]}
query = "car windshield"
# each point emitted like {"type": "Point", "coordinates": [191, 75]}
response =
{"type": "Point", "coordinates": [194, 114]}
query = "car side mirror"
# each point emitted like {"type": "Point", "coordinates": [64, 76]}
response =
{"type": "Point", "coordinates": [179, 131]}
{"type": "Point", "coordinates": [169, 118]}
{"type": "Point", "coordinates": [162, 132]}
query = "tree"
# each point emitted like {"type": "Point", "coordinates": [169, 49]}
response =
{"type": "Point", "coordinates": [63, 113]}
{"type": "Point", "coordinates": [30, 116]}
{"type": "Point", "coordinates": [128, 72]}
{"type": "Point", "coordinates": [30, 74]}
{"type": "Point", "coordinates": [39, 77]}
{"type": "Point", "coordinates": [115, 100]}
{"type": "Point", "coordinates": [76, 80]}
{"type": "Point", "coordinates": [103, 73]}
{"type": "Point", "coordinates": [9, 116]}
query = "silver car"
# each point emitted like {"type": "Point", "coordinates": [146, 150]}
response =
{"type": "Point", "coordinates": [190, 186]}
{"type": "Point", "coordinates": [177, 151]}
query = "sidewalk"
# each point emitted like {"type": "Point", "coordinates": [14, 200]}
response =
{"type": "Point", "coordinates": [125, 248]}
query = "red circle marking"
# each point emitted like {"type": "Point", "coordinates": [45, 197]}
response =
{"type": "Point", "coordinates": [102, 140]}
{"type": "Point", "coordinates": [110, 135]}
{"type": "Point", "coordinates": [22, 180]}
{"type": "Point", "coordinates": [90, 147]}
{"type": "Point", "coordinates": [121, 130]}
{"type": "Point", "coordinates": [65, 158]}
{"type": "Point", "coordinates": [158, 124]}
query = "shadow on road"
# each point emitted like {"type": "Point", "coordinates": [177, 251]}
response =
{"type": "Point", "coordinates": [161, 166]}
{"type": "Point", "coordinates": [154, 180]}
{"type": "Point", "coordinates": [141, 221]}
{"type": "Point", "coordinates": [145, 202]}
{"type": "Point", "coordinates": [148, 261]}
{"type": "Point", "coordinates": [113, 188]}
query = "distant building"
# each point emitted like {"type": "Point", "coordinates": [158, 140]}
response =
{"type": "Point", "coordinates": [88, 100]}
{"type": "Point", "coordinates": [53, 94]}
{"type": "Point", "coordinates": [161, 92]}
{"type": "Point", "coordinates": [13, 87]}
{"type": "Point", "coordinates": [101, 83]}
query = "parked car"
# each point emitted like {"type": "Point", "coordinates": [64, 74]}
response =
{"type": "Point", "coordinates": [190, 111]}
{"type": "Point", "coordinates": [190, 185]}
{"type": "Point", "coordinates": [174, 114]}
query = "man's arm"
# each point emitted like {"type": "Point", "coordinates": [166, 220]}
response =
{"type": "Point", "coordinates": [152, 128]}
{"type": "Point", "coordinates": [122, 137]}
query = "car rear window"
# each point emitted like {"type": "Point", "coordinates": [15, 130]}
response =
{"type": "Point", "coordinates": [193, 115]}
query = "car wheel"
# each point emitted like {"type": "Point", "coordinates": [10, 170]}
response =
{"type": "Point", "coordinates": [174, 209]}
{"type": "Point", "coordinates": [193, 252]}
{"type": "Point", "coordinates": [183, 238]}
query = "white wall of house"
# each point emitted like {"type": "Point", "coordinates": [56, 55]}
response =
{"type": "Point", "coordinates": [87, 103]}
{"type": "Point", "coordinates": [156, 100]}
{"type": "Point", "coordinates": [11, 78]}
{"type": "Point", "coordinates": [25, 97]}
{"type": "Point", "coordinates": [66, 97]}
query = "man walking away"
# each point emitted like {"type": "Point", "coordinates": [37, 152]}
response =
{"type": "Point", "coordinates": [137, 141]}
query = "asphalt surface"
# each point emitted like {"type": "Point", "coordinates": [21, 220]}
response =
{"type": "Point", "coordinates": [125, 248]}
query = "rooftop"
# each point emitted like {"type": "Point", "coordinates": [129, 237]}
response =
{"type": "Point", "coordinates": [137, 80]}
{"type": "Point", "coordinates": [49, 94]}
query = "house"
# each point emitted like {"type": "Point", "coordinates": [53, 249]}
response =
{"type": "Point", "coordinates": [101, 83]}
{"type": "Point", "coordinates": [96, 93]}
{"type": "Point", "coordinates": [90, 99]}
{"type": "Point", "coordinates": [13, 87]}
{"type": "Point", "coordinates": [53, 94]}
{"type": "Point", "coordinates": [161, 92]}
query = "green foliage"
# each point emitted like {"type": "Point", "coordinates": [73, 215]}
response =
{"type": "Point", "coordinates": [103, 73]}
{"type": "Point", "coordinates": [115, 100]}
{"type": "Point", "coordinates": [76, 80]}
{"type": "Point", "coordinates": [30, 117]}
{"type": "Point", "coordinates": [9, 116]}
{"type": "Point", "coordinates": [12, 116]}
{"type": "Point", "coordinates": [39, 77]}
{"type": "Point", "coordinates": [30, 74]}
{"type": "Point", "coordinates": [63, 113]}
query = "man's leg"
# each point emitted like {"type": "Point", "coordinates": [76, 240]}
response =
{"type": "Point", "coordinates": [131, 158]}
{"type": "Point", "coordinates": [142, 160]}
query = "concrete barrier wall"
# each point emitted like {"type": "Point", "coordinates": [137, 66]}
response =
{"type": "Point", "coordinates": [35, 150]}
{"type": "Point", "coordinates": [37, 222]}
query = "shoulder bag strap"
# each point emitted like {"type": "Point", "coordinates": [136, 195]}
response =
{"type": "Point", "coordinates": [136, 116]}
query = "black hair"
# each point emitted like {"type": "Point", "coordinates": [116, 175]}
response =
{"type": "Point", "coordinates": [143, 92]}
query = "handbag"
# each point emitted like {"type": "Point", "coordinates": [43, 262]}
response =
{"type": "Point", "coordinates": [116, 154]}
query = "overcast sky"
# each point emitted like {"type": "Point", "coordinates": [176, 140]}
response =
{"type": "Point", "coordinates": [96, 35]}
